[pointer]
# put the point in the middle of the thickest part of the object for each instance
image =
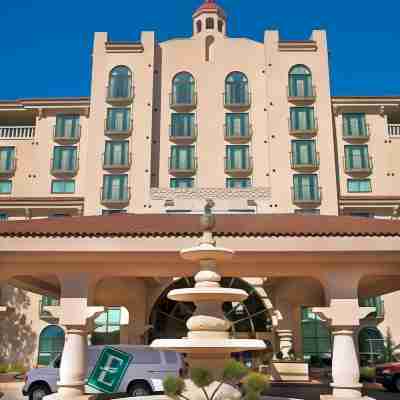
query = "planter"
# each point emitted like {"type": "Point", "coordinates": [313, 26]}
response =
{"type": "Point", "coordinates": [287, 371]}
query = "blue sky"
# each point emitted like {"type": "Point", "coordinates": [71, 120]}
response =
{"type": "Point", "coordinates": [46, 44]}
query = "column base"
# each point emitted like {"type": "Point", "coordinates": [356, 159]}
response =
{"type": "Point", "coordinates": [75, 392]}
{"type": "Point", "coordinates": [333, 397]}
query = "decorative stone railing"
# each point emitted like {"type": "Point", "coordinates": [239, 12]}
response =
{"type": "Point", "coordinates": [17, 132]}
{"type": "Point", "coordinates": [394, 130]}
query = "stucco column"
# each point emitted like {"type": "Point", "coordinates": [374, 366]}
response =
{"type": "Point", "coordinates": [345, 315]}
{"type": "Point", "coordinates": [285, 342]}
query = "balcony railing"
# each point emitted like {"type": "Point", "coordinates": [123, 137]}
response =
{"type": "Point", "coordinates": [242, 101]}
{"type": "Point", "coordinates": [7, 169]}
{"type": "Point", "coordinates": [178, 168]}
{"type": "Point", "coordinates": [308, 97]}
{"type": "Point", "coordinates": [115, 96]}
{"type": "Point", "coordinates": [116, 197]}
{"type": "Point", "coordinates": [64, 169]}
{"type": "Point", "coordinates": [304, 165]}
{"type": "Point", "coordinates": [310, 130]}
{"type": "Point", "coordinates": [360, 135]}
{"type": "Point", "coordinates": [184, 102]}
{"type": "Point", "coordinates": [17, 132]}
{"type": "Point", "coordinates": [376, 302]}
{"type": "Point", "coordinates": [358, 165]}
{"type": "Point", "coordinates": [67, 135]}
{"type": "Point", "coordinates": [112, 165]}
{"type": "Point", "coordinates": [245, 167]}
{"type": "Point", "coordinates": [188, 136]}
{"type": "Point", "coordinates": [394, 130]}
{"type": "Point", "coordinates": [306, 194]}
{"type": "Point", "coordinates": [238, 136]}
{"type": "Point", "coordinates": [118, 130]}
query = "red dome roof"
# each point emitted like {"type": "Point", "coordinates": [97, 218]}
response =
{"type": "Point", "coordinates": [210, 6]}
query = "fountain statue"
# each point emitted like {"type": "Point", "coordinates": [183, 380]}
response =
{"type": "Point", "coordinates": [208, 343]}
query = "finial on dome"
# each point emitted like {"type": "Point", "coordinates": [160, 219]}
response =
{"type": "Point", "coordinates": [210, 6]}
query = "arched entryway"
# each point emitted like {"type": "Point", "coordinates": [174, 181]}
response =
{"type": "Point", "coordinates": [51, 344]}
{"type": "Point", "coordinates": [371, 345]}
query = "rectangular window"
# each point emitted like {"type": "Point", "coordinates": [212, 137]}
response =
{"type": "Point", "coordinates": [107, 327]}
{"type": "Point", "coordinates": [182, 183]}
{"type": "Point", "coordinates": [355, 124]}
{"type": "Point", "coordinates": [237, 157]}
{"type": "Point", "coordinates": [115, 188]}
{"type": "Point", "coordinates": [3, 216]}
{"type": "Point", "coordinates": [67, 126]}
{"type": "Point", "coordinates": [182, 125]}
{"type": "Point", "coordinates": [182, 157]}
{"type": "Point", "coordinates": [300, 86]}
{"type": "Point", "coordinates": [237, 124]}
{"type": "Point", "coordinates": [7, 159]}
{"type": "Point", "coordinates": [65, 158]}
{"type": "Point", "coordinates": [357, 157]}
{"type": "Point", "coordinates": [302, 118]}
{"type": "Point", "coordinates": [238, 183]}
{"type": "Point", "coordinates": [303, 152]}
{"type": "Point", "coordinates": [359, 185]}
{"type": "Point", "coordinates": [306, 187]}
{"type": "Point", "coordinates": [63, 186]}
{"type": "Point", "coordinates": [5, 187]}
{"type": "Point", "coordinates": [118, 119]}
{"type": "Point", "coordinates": [117, 153]}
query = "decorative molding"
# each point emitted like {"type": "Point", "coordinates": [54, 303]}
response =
{"type": "Point", "coordinates": [256, 193]}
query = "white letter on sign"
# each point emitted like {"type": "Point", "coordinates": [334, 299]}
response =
{"type": "Point", "coordinates": [107, 370]}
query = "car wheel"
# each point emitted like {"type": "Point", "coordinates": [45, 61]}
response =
{"type": "Point", "coordinates": [139, 389]}
{"type": "Point", "coordinates": [396, 384]}
{"type": "Point", "coordinates": [37, 392]}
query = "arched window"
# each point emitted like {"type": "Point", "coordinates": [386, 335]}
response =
{"type": "Point", "coordinates": [210, 23]}
{"type": "Point", "coordinates": [51, 344]}
{"type": "Point", "coordinates": [183, 89]}
{"type": "Point", "coordinates": [237, 89]}
{"type": "Point", "coordinates": [120, 85]}
{"type": "Point", "coordinates": [107, 327]}
{"type": "Point", "coordinates": [209, 48]}
{"type": "Point", "coordinates": [370, 345]}
{"type": "Point", "coordinates": [300, 82]}
{"type": "Point", "coordinates": [198, 25]}
{"type": "Point", "coordinates": [220, 25]}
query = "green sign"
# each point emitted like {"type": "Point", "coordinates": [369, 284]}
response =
{"type": "Point", "coordinates": [109, 370]}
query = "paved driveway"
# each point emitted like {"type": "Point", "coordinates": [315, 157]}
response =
{"type": "Point", "coordinates": [11, 391]}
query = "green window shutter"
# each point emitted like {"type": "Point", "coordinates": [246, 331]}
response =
{"type": "Point", "coordinates": [302, 118]}
{"type": "Point", "coordinates": [238, 156]}
{"type": "Point", "coordinates": [118, 119]}
{"type": "Point", "coordinates": [7, 155]}
{"type": "Point", "coordinates": [63, 186]}
{"type": "Point", "coordinates": [355, 124]}
{"type": "Point", "coordinates": [238, 183]}
{"type": "Point", "coordinates": [182, 125]}
{"type": "Point", "coordinates": [5, 187]}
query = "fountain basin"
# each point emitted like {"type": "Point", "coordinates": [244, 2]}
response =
{"type": "Point", "coordinates": [206, 251]}
{"type": "Point", "coordinates": [215, 294]}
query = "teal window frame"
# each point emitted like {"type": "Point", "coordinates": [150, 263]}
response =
{"type": "Point", "coordinates": [238, 183]}
{"type": "Point", "coordinates": [302, 124]}
{"type": "Point", "coordinates": [60, 162]}
{"type": "Point", "coordinates": [183, 89]}
{"type": "Point", "coordinates": [112, 155]}
{"type": "Point", "coordinates": [309, 157]}
{"type": "Point", "coordinates": [51, 344]}
{"type": "Point", "coordinates": [122, 124]}
{"type": "Point", "coordinates": [237, 124]}
{"type": "Point", "coordinates": [306, 187]}
{"type": "Point", "coordinates": [181, 183]}
{"type": "Point", "coordinates": [7, 157]}
{"type": "Point", "coordinates": [3, 216]}
{"type": "Point", "coordinates": [111, 191]}
{"type": "Point", "coordinates": [120, 83]}
{"type": "Point", "coordinates": [354, 160]}
{"type": "Point", "coordinates": [359, 186]}
{"type": "Point", "coordinates": [243, 161]}
{"type": "Point", "coordinates": [371, 345]}
{"type": "Point", "coordinates": [183, 124]}
{"type": "Point", "coordinates": [107, 327]}
{"type": "Point", "coordinates": [67, 126]}
{"type": "Point", "coordinates": [66, 186]}
{"type": "Point", "coordinates": [300, 82]}
{"type": "Point", "coordinates": [237, 89]}
{"type": "Point", "coordinates": [355, 124]}
{"type": "Point", "coordinates": [185, 163]}
{"type": "Point", "coordinates": [5, 186]}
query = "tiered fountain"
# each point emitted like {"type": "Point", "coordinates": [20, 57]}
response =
{"type": "Point", "coordinates": [209, 342]}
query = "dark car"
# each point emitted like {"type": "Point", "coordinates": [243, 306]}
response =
{"type": "Point", "coordinates": [389, 376]}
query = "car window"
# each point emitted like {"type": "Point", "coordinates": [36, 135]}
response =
{"type": "Point", "coordinates": [146, 357]}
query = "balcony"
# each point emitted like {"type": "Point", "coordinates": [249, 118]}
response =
{"type": "Point", "coordinates": [237, 102]}
{"type": "Point", "coordinates": [8, 168]}
{"type": "Point", "coordinates": [237, 136]}
{"type": "Point", "coordinates": [302, 98]}
{"type": "Point", "coordinates": [17, 132]}
{"type": "Point", "coordinates": [64, 169]}
{"type": "Point", "coordinates": [49, 312]}
{"type": "Point", "coordinates": [111, 165]}
{"type": "Point", "coordinates": [118, 130]}
{"type": "Point", "coordinates": [67, 136]}
{"type": "Point", "coordinates": [306, 195]}
{"type": "Point", "coordinates": [305, 165]}
{"type": "Point", "coordinates": [243, 168]}
{"type": "Point", "coordinates": [307, 131]}
{"type": "Point", "coordinates": [116, 198]}
{"type": "Point", "coordinates": [185, 136]}
{"type": "Point", "coordinates": [358, 165]}
{"type": "Point", "coordinates": [183, 169]}
{"type": "Point", "coordinates": [377, 303]}
{"type": "Point", "coordinates": [360, 136]}
{"type": "Point", "coordinates": [120, 96]}
{"type": "Point", "coordinates": [394, 130]}
{"type": "Point", "coordinates": [183, 103]}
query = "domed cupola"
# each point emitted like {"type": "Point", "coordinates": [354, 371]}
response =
{"type": "Point", "coordinates": [209, 18]}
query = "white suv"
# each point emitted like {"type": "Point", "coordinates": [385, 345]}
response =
{"type": "Point", "coordinates": [144, 375]}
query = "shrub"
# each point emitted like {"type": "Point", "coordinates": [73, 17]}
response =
{"type": "Point", "coordinates": [173, 386]}
{"type": "Point", "coordinates": [201, 377]}
{"type": "Point", "coordinates": [256, 383]}
{"type": "Point", "coordinates": [367, 374]}
{"type": "Point", "coordinates": [3, 368]}
{"type": "Point", "coordinates": [234, 372]}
